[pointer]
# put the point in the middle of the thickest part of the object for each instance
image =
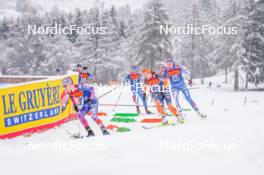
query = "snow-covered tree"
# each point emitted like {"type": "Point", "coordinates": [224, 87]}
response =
{"type": "Point", "coordinates": [228, 48]}
{"type": "Point", "coordinates": [152, 46]}
{"type": "Point", "coordinates": [4, 29]}
{"type": "Point", "coordinates": [241, 52]}
{"type": "Point", "coordinates": [197, 49]}
{"type": "Point", "coordinates": [253, 58]}
{"type": "Point", "coordinates": [22, 5]}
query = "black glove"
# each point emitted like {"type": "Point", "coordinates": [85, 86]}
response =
{"type": "Point", "coordinates": [76, 108]}
{"type": "Point", "coordinates": [89, 101]}
{"type": "Point", "coordinates": [145, 96]}
{"type": "Point", "coordinates": [190, 83]}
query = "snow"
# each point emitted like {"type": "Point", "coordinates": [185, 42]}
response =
{"type": "Point", "coordinates": [3, 84]}
{"type": "Point", "coordinates": [231, 122]}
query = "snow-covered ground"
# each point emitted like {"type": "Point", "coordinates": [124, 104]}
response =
{"type": "Point", "coordinates": [229, 141]}
{"type": "Point", "coordinates": [3, 84]}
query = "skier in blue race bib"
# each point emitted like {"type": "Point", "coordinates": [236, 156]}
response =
{"type": "Point", "coordinates": [85, 75]}
{"type": "Point", "coordinates": [83, 72]}
{"type": "Point", "coordinates": [174, 73]}
{"type": "Point", "coordinates": [135, 80]}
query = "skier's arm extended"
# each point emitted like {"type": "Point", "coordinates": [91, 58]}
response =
{"type": "Point", "coordinates": [185, 71]}
{"type": "Point", "coordinates": [126, 79]}
{"type": "Point", "coordinates": [72, 100]}
{"type": "Point", "coordinates": [187, 74]}
{"type": "Point", "coordinates": [164, 73]}
{"type": "Point", "coordinates": [92, 95]}
{"type": "Point", "coordinates": [90, 75]}
{"type": "Point", "coordinates": [74, 103]}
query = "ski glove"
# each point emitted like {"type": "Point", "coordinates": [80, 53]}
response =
{"type": "Point", "coordinates": [89, 101]}
{"type": "Point", "coordinates": [145, 96]}
{"type": "Point", "coordinates": [76, 108]}
{"type": "Point", "coordinates": [190, 83]}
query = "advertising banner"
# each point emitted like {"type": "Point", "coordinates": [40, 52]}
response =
{"type": "Point", "coordinates": [28, 108]}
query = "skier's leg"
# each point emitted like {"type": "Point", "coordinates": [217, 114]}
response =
{"type": "Point", "coordinates": [188, 97]}
{"type": "Point", "coordinates": [94, 110]}
{"type": "Point", "coordinates": [175, 93]}
{"type": "Point", "coordinates": [135, 100]}
{"type": "Point", "coordinates": [167, 98]}
{"type": "Point", "coordinates": [173, 109]}
{"type": "Point", "coordinates": [81, 116]}
{"type": "Point", "coordinates": [143, 99]}
{"type": "Point", "coordinates": [159, 107]}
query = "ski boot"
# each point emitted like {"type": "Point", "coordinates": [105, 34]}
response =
{"type": "Point", "coordinates": [147, 111]}
{"type": "Point", "coordinates": [138, 110]}
{"type": "Point", "coordinates": [105, 132]}
{"type": "Point", "coordinates": [77, 136]}
{"type": "Point", "coordinates": [164, 120]}
{"type": "Point", "coordinates": [180, 118]}
{"type": "Point", "coordinates": [203, 116]}
{"type": "Point", "coordinates": [90, 132]}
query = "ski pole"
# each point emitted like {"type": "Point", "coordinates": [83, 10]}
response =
{"type": "Point", "coordinates": [117, 100]}
{"type": "Point", "coordinates": [127, 105]}
{"type": "Point", "coordinates": [108, 92]}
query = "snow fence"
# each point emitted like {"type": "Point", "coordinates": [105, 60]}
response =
{"type": "Point", "coordinates": [34, 106]}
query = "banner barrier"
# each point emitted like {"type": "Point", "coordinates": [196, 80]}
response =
{"type": "Point", "coordinates": [34, 106]}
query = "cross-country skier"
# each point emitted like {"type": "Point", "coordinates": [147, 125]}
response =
{"type": "Point", "coordinates": [160, 93]}
{"type": "Point", "coordinates": [79, 69]}
{"type": "Point", "coordinates": [135, 79]}
{"type": "Point", "coordinates": [174, 73]}
{"type": "Point", "coordinates": [84, 101]}
{"type": "Point", "coordinates": [83, 72]}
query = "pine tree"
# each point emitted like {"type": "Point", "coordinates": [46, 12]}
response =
{"type": "Point", "coordinates": [253, 58]}
{"type": "Point", "coordinates": [197, 49]}
{"type": "Point", "coordinates": [22, 5]}
{"type": "Point", "coordinates": [110, 42]}
{"type": "Point", "coordinates": [153, 47]}
{"type": "Point", "coordinates": [4, 29]}
{"type": "Point", "coordinates": [226, 56]}
{"type": "Point", "coordinates": [129, 45]}
{"type": "Point", "coordinates": [205, 43]}
{"type": "Point", "coordinates": [77, 21]}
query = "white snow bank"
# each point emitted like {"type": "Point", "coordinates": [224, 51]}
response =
{"type": "Point", "coordinates": [231, 142]}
